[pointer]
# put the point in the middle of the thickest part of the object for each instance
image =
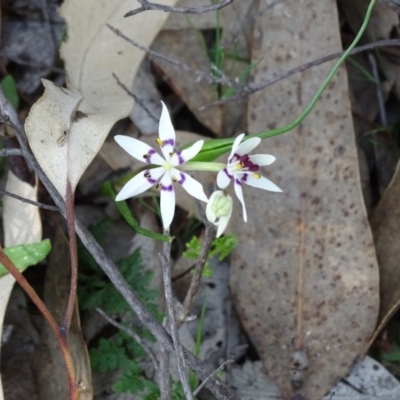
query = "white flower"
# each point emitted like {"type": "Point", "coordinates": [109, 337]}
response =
{"type": "Point", "coordinates": [167, 171]}
{"type": "Point", "coordinates": [219, 210]}
{"type": "Point", "coordinates": [242, 168]}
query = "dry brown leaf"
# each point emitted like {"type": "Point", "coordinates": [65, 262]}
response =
{"type": "Point", "coordinates": [185, 46]}
{"type": "Point", "coordinates": [304, 276]}
{"type": "Point", "coordinates": [381, 23]}
{"type": "Point", "coordinates": [385, 224]}
{"type": "Point", "coordinates": [22, 225]}
{"type": "Point", "coordinates": [66, 127]}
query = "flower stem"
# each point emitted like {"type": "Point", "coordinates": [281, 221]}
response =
{"type": "Point", "coordinates": [202, 166]}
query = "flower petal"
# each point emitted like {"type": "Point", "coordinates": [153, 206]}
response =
{"type": "Point", "coordinates": [167, 200]}
{"type": "Point", "coordinates": [223, 178]}
{"type": "Point", "coordinates": [193, 187]}
{"type": "Point", "coordinates": [235, 145]}
{"type": "Point", "coordinates": [210, 214]}
{"type": "Point", "coordinates": [223, 223]}
{"type": "Point", "coordinates": [261, 183]}
{"type": "Point", "coordinates": [166, 132]}
{"type": "Point", "coordinates": [183, 156]}
{"type": "Point", "coordinates": [139, 150]}
{"type": "Point", "coordinates": [262, 159]}
{"type": "Point", "coordinates": [247, 146]}
{"type": "Point", "coordinates": [140, 183]}
{"type": "Point", "coordinates": [239, 194]}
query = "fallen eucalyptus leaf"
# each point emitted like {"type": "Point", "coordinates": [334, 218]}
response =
{"type": "Point", "coordinates": [385, 228]}
{"type": "Point", "coordinates": [22, 225]}
{"type": "Point", "coordinates": [304, 276]}
{"type": "Point", "coordinates": [67, 126]}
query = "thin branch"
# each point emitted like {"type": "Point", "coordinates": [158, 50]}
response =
{"type": "Point", "coordinates": [24, 200]}
{"type": "Point", "coordinates": [163, 376]}
{"type": "Point", "coordinates": [166, 268]}
{"type": "Point", "coordinates": [11, 153]}
{"type": "Point", "coordinates": [73, 256]}
{"type": "Point", "coordinates": [132, 334]}
{"type": "Point", "coordinates": [136, 98]}
{"type": "Point", "coordinates": [146, 6]}
{"type": "Point", "coordinates": [220, 390]}
{"type": "Point", "coordinates": [63, 343]}
{"type": "Point", "coordinates": [215, 372]}
{"type": "Point", "coordinates": [209, 235]}
{"type": "Point", "coordinates": [208, 77]}
{"type": "Point", "coordinates": [250, 89]}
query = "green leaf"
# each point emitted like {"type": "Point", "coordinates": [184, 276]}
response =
{"type": "Point", "coordinates": [126, 213]}
{"type": "Point", "coordinates": [109, 356]}
{"type": "Point", "coordinates": [25, 255]}
{"type": "Point", "coordinates": [9, 88]}
{"type": "Point", "coordinates": [193, 248]}
{"type": "Point", "coordinates": [223, 245]}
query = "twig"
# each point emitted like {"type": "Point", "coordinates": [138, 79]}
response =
{"type": "Point", "coordinates": [220, 390]}
{"type": "Point", "coordinates": [11, 153]}
{"type": "Point", "coordinates": [132, 334]}
{"type": "Point", "coordinates": [250, 89]}
{"type": "Point", "coordinates": [73, 257]}
{"type": "Point", "coordinates": [208, 77]}
{"type": "Point", "coordinates": [63, 343]}
{"type": "Point", "coordinates": [166, 267]}
{"type": "Point", "coordinates": [220, 368]}
{"type": "Point", "coordinates": [145, 6]}
{"type": "Point", "coordinates": [24, 200]}
{"type": "Point", "coordinates": [136, 98]}
{"type": "Point", "coordinates": [163, 376]}
{"type": "Point", "coordinates": [209, 235]}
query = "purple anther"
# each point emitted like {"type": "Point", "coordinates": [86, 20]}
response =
{"type": "Point", "coordinates": [253, 168]}
{"type": "Point", "coordinates": [238, 181]}
{"type": "Point", "coordinates": [244, 158]}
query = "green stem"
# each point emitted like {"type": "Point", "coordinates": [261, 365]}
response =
{"type": "Point", "coordinates": [202, 166]}
{"type": "Point", "coordinates": [217, 147]}
{"type": "Point", "coordinates": [299, 120]}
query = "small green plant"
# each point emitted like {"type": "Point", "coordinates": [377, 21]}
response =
{"type": "Point", "coordinates": [119, 352]}
{"type": "Point", "coordinates": [221, 246]}
{"type": "Point", "coordinates": [9, 88]}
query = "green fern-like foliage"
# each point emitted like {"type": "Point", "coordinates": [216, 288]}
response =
{"type": "Point", "coordinates": [119, 352]}
{"type": "Point", "coordinates": [221, 246]}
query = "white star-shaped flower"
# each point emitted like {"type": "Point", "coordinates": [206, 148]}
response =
{"type": "Point", "coordinates": [242, 168]}
{"type": "Point", "coordinates": [167, 171]}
